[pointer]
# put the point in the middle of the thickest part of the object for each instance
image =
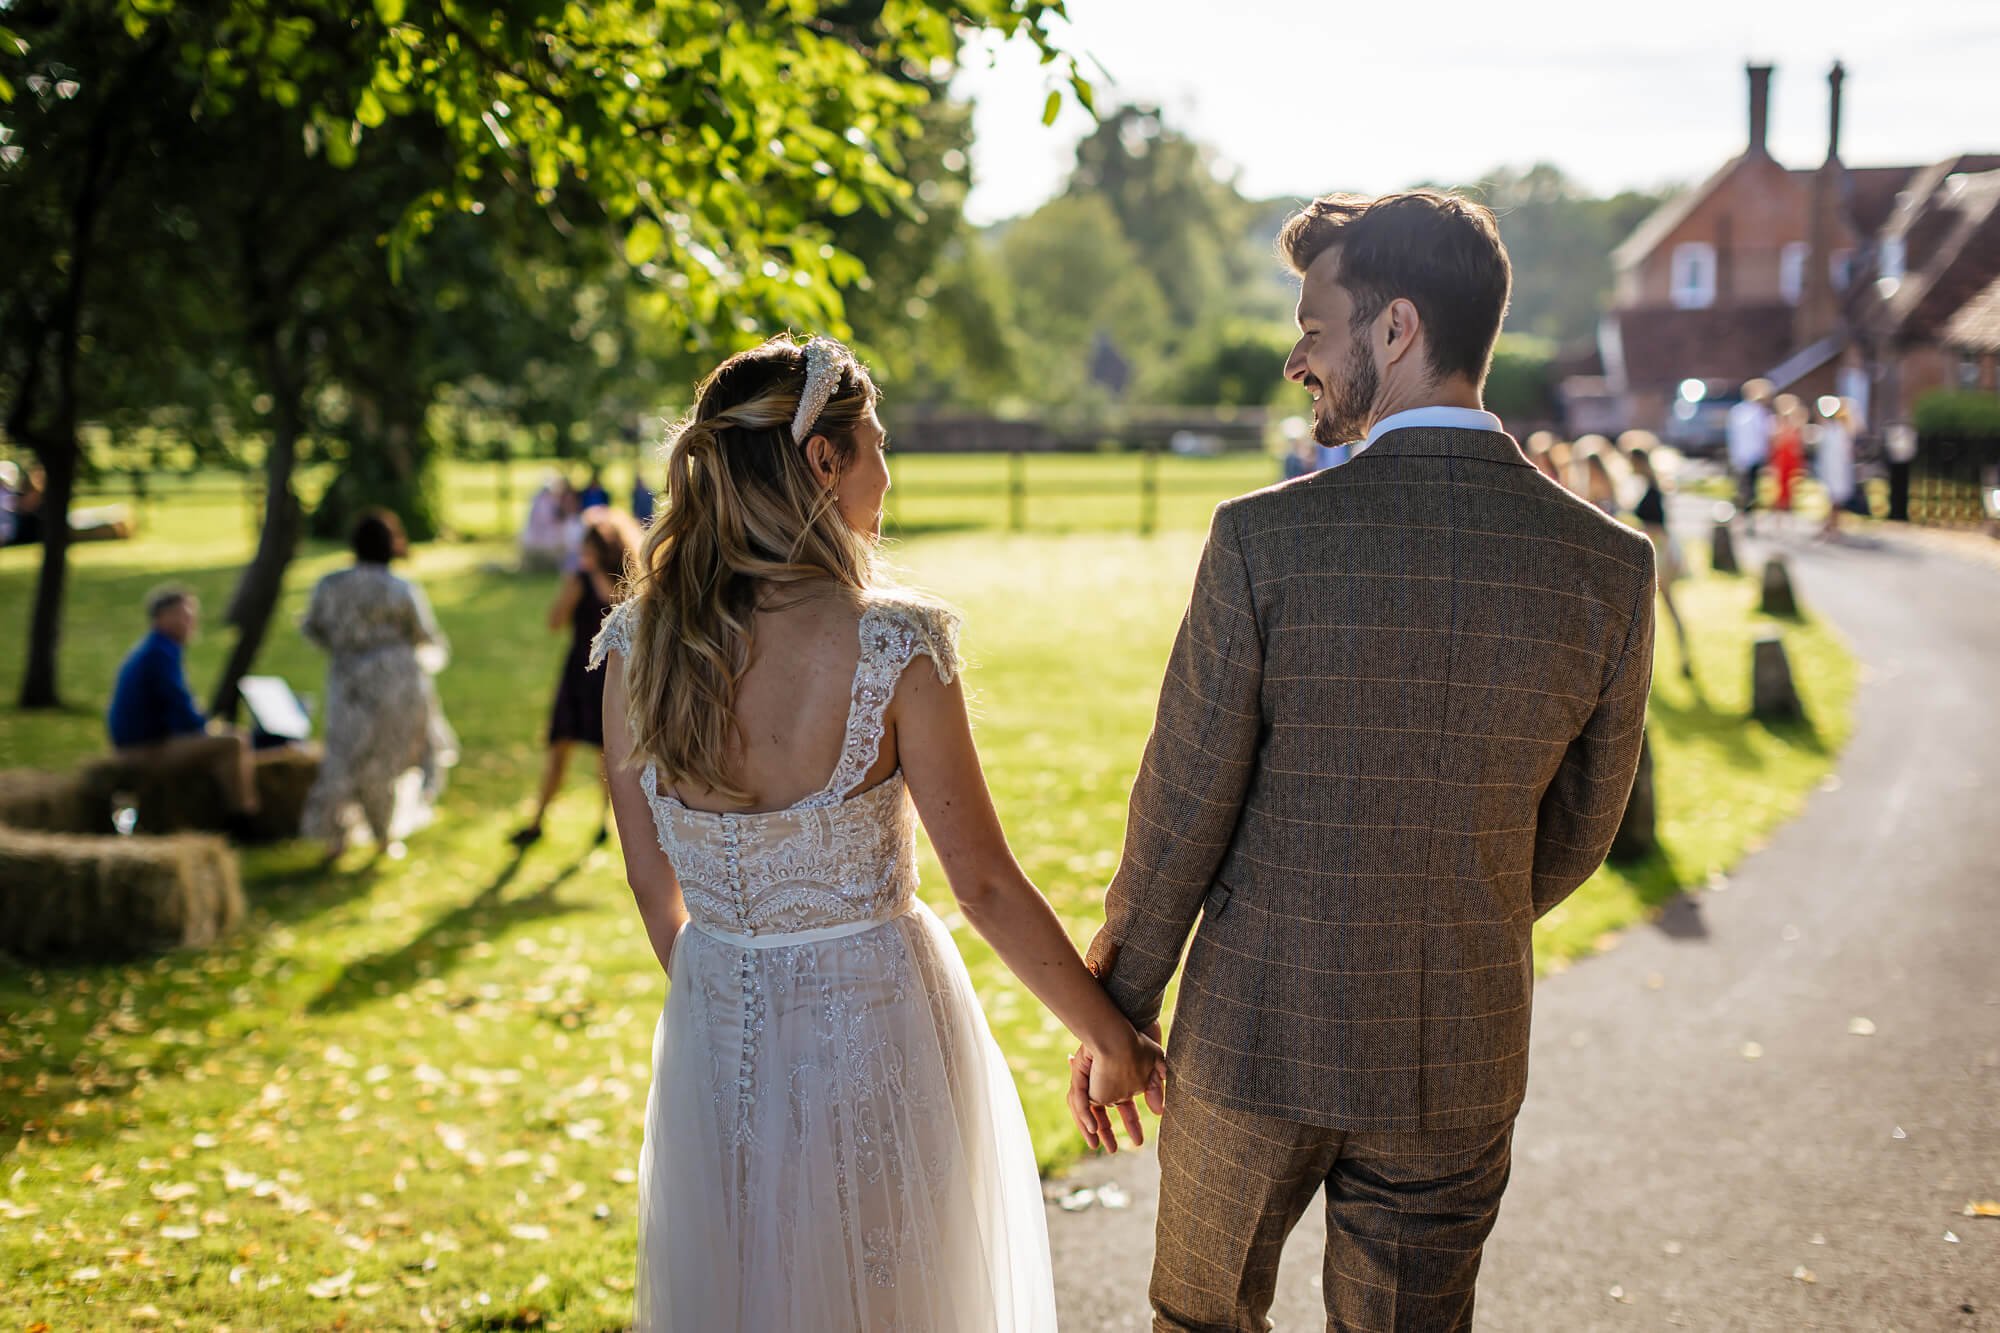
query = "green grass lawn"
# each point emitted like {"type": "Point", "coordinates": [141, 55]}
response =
{"type": "Point", "coordinates": [409, 1095]}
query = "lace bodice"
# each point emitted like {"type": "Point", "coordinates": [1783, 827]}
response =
{"type": "Point", "coordinates": [836, 857]}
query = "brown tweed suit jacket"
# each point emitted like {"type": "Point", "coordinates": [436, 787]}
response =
{"type": "Point", "coordinates": [1400, 723]}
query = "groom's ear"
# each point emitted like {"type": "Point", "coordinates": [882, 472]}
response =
{"type": "Point", "coordinates": [1402, 325]}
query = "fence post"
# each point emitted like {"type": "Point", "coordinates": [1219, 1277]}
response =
{"type": "Point", "coordinates": [1149, 491]}
{"type": "Point", "coordinates": [1017, 491]}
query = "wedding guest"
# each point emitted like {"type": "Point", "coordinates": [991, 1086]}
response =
{"type": "Point", "coordinates": [594, 495]}
{"type": "Point", "coordinates": [542, 538]}
{"type": "Point", "coordinates": [643, 499]}
{"type": "Point", "coordinates": [1595, 482]}
{"type": "Point", "coordinates": [1748, 429]}
{"type": "Point", "coordinates": [10, 482]}
{"type": "Point", "coordinates": [1651, 512]}
{"type": "Point", "coordinates": [1541, 450]}
{"type": "Point", "coordinates": [26, 505]}
{"type": "Point", "coordinates": [383, 719]}
{"type": "Point", "coordinates": [1561, 458]}
{"type": "Point", "coordinates": [1788, 450]}
{"type": "Point", "coordinates": [610, 548]}
{"type": "Point", "coordinates": [156, 725]}
{"type": "Point", "coordinates": [1835, 462]}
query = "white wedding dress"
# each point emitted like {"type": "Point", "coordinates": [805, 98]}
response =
{"type": "Point", "coordinates": [833, 1141]}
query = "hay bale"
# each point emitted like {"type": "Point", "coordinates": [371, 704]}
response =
{"type": "Point", "coordinates": [285, 777]}
{"type": "Point", "coordinates": [49, 803]}
{"type": "Point", "coordinates": [103, 898]}
{"type": "Point", "coordinates": [192, 798]}
{"type": "Point", "coordinates": [169, 800]}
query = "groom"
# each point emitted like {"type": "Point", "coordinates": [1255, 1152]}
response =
{"type": "Point", "coordinates": [1400, 723]}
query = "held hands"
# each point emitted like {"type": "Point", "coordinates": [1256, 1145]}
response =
{"type": "Point", "coordinates": [1101, 1080]}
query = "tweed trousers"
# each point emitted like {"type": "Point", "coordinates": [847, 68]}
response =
{"type": "Point", "coordinates": [1406, 1215]}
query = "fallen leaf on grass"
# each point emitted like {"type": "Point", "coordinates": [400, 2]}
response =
{"type": "Point", "coordinates": [1860, 1027]}
{"type": "Point", "coordinates": [1805, 1275]}
{"type": "Point", "coordinates": [175, 1193]}
{"type": "Point", "coordinates": [1983, 1208]}
{"type": "Point", "coordinates": [86, 1275]}
{"type": "Point", "coordinates": [331, 1288]}
{"type": "Point", "coordinates": [181, 1233]}
{"type": "Point", "coordinates": [1951, 1237]}
{"type": "Point", "coordinates": [528, 1231]}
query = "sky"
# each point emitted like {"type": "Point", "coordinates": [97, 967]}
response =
{"type": "Point", "coordinates": [1314, 95]}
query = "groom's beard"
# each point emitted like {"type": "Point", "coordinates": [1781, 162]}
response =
{"type": "Point", "coordinates": [1343, 407]}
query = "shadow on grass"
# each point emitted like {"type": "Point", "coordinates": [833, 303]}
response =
{"type": "Point", "coordinates": [1659, 884]}
{"type": "Point", "coordinates": [439, 945]}
{"type": "Point", "coordinates": [1729, 731]}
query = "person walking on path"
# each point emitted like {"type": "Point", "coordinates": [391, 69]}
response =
{"type": "Point", "coordinates": [1651, 513]}
{"type": "Point", "coordinates": [1399, 723]}
{"type": "Point", "coordinates": [1836, 461]}
{"type": "Point", "coordinates": [607, 558]}
{"type": "Point", "coordinates": [384, 723]}
{"type": "Point", "coordinates": [1748, 430]}
{"type": "Point", "coordinates": [1788, 453]}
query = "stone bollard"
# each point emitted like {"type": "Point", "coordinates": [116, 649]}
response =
{"type": "Point", "coordinates": [1773, 697]}
{"type": "Point", "coordinates": [1638, 832]}
{"type": "Point", "coordinates": [1722, 550]}
{"type": "Point", "coordinates": [1779, 599]}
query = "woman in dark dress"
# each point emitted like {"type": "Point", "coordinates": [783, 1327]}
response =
{"type": "Point", "coordinates": [611, 541]}
{"type": "Point", "coordinates": [1651, 512]}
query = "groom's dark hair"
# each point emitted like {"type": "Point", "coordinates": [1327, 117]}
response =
{"type": "Point", "coordinates": [1437, 251]}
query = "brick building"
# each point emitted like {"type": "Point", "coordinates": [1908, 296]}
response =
{"type": "Point", "coordinates": [1770, 271]}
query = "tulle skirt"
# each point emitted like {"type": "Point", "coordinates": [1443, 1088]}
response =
{"type": "Point", "coordinates": [834, 1145]}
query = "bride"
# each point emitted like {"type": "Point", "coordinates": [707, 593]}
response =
{"type": "Point", "coordinates": [833, 1142]}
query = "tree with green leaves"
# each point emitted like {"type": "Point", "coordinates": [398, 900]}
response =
{"type": "Point", "coordinates": [716, 143]}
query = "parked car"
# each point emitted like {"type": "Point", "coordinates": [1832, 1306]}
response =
{"type": "Point", "coordinates": [1700, 427]}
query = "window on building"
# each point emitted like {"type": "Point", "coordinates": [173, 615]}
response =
{"type": "Point", "coordinates": [1693, 278]}
{"type": "Point", "coordinates": [1792, 271]}
{"type": "Point", "coordinates": [1968, 371]}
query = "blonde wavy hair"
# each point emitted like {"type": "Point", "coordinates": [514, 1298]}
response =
{"type": "Point", "coordinates": [743, 518]}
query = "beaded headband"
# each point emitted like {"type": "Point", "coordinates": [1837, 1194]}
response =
{"type": "Point", "coordinates": [822, 373]}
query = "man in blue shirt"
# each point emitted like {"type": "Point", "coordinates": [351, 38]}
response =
{"type": "Point", "coordinates": [154, 721]}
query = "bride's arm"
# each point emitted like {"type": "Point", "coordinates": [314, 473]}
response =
{"type": "Point", "coordinates": [941, 767]}
{"type": "Point", "coordinates": [647, 868]}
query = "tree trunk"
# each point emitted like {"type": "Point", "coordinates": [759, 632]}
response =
{"type": "Point", "coordinates": [56, 443]}
{"type": "Point", "coordinates": [38, 684]}
{"type": "Point", "coordinates": [255, 600]}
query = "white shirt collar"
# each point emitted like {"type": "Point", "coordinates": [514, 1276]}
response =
{"type": "Point", "coordinates": [1433, 418]}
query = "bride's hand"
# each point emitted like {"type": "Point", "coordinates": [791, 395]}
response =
{"type": "Point", "coordinates": [1114, 1076]}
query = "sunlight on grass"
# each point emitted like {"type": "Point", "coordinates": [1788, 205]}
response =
{"type": "Point", "coordinates": [416, 1086]}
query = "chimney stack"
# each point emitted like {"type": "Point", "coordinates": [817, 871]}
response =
{"type": "Point", "coordinates": [1834, 80]}
{"type": "Point", "coordinates": [1760, 107]}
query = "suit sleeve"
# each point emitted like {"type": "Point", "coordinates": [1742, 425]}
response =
{"type": "Point", "coordinates": [1585, 802]}
{"type": "Point", "coordinates": [1189, 791]}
